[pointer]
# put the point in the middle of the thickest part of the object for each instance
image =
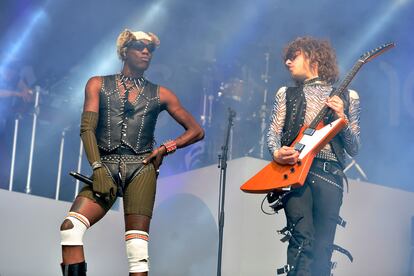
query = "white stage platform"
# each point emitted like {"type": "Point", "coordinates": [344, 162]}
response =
{"type": "Point", "coordinates": [184, 236]}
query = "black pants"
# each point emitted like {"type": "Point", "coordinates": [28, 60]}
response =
{"type": "Point", "coordinates": [312, 213]}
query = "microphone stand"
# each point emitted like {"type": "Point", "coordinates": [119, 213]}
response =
{"type": "Point", "coordinates": [262, 114]}
{"type": "Point", "coordinates": [222, 188]}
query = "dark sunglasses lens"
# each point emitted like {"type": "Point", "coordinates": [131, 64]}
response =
{"type": "Point", "coordinates": [140, 46]}
{"type": "Point", "coordinates": [151, 47]}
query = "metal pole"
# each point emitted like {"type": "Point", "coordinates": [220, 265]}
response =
{"type": "Point", "coordinates": [361, 172]}
{"type": "Point", "coordinates": [222, 189]}
{"type": "Point", "coordinates": [230, 152]}
{"type": "Point", "coordinates": [79, 166]}
{"type": "Point", "coordinates": [357, 167]}
{"type": "Point", "coordinates": [349, 165]}
{"type": "Point", "coordinates": [36, 110]}
{"type": "Point", "coordinates": [262, 130]}
{"type": "Point", "coordinates": [16, 128]}
{"type": "Point", "coordinates": [203, 116]}
{"type": "Point", "coordinates": [210, 109]}
{"type": "Point", "coordinates": [62, 145]}
{"type": "Point", "coordinates": [266, 77]}
{"type": "Point", "coordinates": [262, 115]}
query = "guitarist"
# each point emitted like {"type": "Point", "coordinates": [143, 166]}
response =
{"type": "Point", "coordinates": [312, 211]}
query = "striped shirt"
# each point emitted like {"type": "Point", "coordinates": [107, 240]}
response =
{"type": "Point", "coordinates": [316, 94]}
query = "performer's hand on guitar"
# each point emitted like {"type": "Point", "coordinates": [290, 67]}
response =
{"type": "Point", "coordinates": [286, 156]}
{"type": "Point", "coordinates": [156, 157]}
{"type": "Point", "coordinates": [337, 105]}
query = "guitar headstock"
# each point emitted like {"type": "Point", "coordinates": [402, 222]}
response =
{"type": "Point", "coordinates": [376, 52]}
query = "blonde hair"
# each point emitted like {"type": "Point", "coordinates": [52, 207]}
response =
{"type": "Point", "coordinates": [127, 36]}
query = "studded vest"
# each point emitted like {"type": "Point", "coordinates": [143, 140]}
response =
{"type": "Point", "coordinates": [295, 117]}
{"type": "Point", "coordinates": [134, 130]}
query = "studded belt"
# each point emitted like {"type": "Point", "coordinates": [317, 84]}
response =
{"type": "Point", "coordinates": [326, 155]}
{"type": "Point", "coordinates": [125, 158]}
{"type": "Point", "coordinates": [328, 166]}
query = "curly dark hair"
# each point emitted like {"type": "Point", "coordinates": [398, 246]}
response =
{"type": "Point", "coordinates": [318, 51]}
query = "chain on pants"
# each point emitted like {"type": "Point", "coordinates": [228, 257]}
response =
{"type": "Point", "coordinates": [312, 213]}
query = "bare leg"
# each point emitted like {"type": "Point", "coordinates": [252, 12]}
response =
{"type": "Point", "coordinates": [137, 222]}
{"type": "Point", "coordinates": [93, 212]}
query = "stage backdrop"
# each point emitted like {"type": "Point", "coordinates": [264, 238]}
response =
{"type": "Point", "coordinates": [184, 235]}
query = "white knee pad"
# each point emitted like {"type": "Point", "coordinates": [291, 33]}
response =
{"type": "Point", "coordinates": [137, 250]}
{"type": "Point", "coordinates": [74, 235]}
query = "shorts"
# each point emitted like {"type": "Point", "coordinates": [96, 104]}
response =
{"type": "Point", "coordinates": [135, 182]}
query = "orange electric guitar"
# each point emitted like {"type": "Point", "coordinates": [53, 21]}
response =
{"type": "Point", "coordinates": [310, 141]}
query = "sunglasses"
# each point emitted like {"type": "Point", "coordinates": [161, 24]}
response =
{"type": "Point", "coordinates": [292, 54]}
{"type": "Point", "coordinates": [140, 45]}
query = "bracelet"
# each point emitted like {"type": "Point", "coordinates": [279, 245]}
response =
{"type": "Point", "coordinates": [96, 165]}
{"type": "Point", "coordinates": [170, 146]}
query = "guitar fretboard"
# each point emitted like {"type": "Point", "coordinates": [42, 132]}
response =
{"type": "Point", "coordinates": [337, 92]}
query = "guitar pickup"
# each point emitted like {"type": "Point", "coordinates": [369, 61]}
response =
{"type": "Point", "coordinates": [309, 131]}
{"type": "Point", "coordinates": [299, 147]}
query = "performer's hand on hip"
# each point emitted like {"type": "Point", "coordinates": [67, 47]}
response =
{"type": "Point", "coordinates": [156, 157]}
{"type": "Point", "coordinates": [286, 156]}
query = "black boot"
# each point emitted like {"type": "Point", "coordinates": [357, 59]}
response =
{"type": "Point", "coordinates": [78, 269]}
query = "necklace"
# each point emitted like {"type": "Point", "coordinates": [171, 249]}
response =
{"type": "Point", "coordinates": [138, 82]}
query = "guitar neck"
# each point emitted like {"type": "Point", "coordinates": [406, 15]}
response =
{"type": "Point", "coordinates": [337, 92]}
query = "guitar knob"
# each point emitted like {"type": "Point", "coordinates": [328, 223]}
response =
{"type": "Point", "coordinates": [285, 176]}
{"type": "Point", "coordinates": [299, 163]}
{"type": "Point", "coordinates": [292, 170]}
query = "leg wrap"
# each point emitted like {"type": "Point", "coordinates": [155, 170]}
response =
{"type": "Point", "coordinates": [74, 235]}
{"type": "Point", "coordinates": [137, 250]}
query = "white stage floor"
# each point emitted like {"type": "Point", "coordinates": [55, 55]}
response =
{"type": "Point", "coordinates": [184, 234]}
